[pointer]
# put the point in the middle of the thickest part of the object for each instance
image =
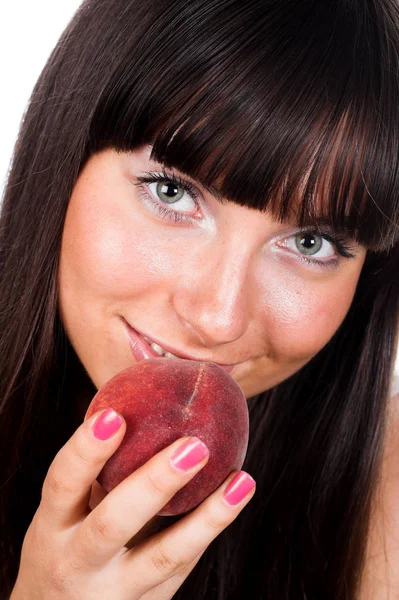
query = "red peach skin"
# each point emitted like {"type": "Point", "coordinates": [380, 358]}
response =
{"type": "Point", "coordinates": [163, 399]}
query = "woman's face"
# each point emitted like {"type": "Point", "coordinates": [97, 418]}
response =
{"type": "Point", "coordinates": [211, 281]}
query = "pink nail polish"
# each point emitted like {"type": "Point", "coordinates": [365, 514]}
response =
{"type": "Point", "coordinates": [189, 454]}
{"type": "Point", "coordinates": [238, 488]}
{"type": "Point", "coordinates": [108, 422]}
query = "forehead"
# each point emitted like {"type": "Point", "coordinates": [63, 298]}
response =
{"type": "Point", "coordinates": [278, 119]}
{"type": "Point", "coordinates": [315, 212]}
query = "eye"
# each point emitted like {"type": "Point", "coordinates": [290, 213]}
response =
{"type": "Point", "coordinates": [170, 197]}
{"type": "Point", "coordinates": [321, 249]}
{"type": "Point", "coordinates": [310, 244]}
{"type": "Point", "coordinates": [172, 193]}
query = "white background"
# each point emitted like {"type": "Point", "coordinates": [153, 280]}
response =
{"type": "Point", "coordinates": [28, 32]}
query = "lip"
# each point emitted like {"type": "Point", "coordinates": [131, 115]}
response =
{"type": "Point", "coordinates": [142, 350]}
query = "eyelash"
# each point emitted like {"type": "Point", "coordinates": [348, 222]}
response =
{"type": "Point", "coordinates": [163, 211]}
{"type": "Point", "coordinates": [340, 242]}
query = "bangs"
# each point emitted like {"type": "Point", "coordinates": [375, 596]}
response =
{"type": "Point", "coordinates": [298, 121]}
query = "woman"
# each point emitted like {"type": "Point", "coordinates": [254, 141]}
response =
{"type": "Point", "coordinates": [221, 179]}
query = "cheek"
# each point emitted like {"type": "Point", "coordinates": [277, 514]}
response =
{"type": "Point", "coordinates": [108, 253]}
{"type": "Point", "coordinates": [302, 318]}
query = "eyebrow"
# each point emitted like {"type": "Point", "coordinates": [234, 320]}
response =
{"type": "Point", "coordinates": [344, 227]}
{"type": "Point", "coordinates": [212, 189]}
{"type": "Point", "coordinates": [319, 222]}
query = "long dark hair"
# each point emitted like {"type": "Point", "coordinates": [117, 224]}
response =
{"type": "Point", "coordinates": [274, 104]}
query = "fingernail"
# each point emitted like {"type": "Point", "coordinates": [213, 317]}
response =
{"type": "Point", "coordinates": [238, 488]}
{"type": "Point", "coordinates": [107, 423]}
{"type": "Point", "coordinates": [189, 454]}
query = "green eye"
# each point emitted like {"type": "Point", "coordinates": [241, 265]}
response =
{"type": "Point", "coordinates": [169, 192]}
{"type": "Point", "coordinates": [308, 243]}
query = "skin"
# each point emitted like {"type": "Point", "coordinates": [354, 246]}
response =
{"type": "Point", "coordinates": [228, 287]}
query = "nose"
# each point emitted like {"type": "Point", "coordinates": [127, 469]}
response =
{"type": "Point", "coordinates": [212, 297]}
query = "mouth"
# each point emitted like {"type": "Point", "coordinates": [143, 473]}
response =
{"type": "Point", "coordinates": [144, 347]}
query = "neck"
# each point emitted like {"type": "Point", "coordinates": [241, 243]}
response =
{"type": "Point", "coordinates": [82, 391]}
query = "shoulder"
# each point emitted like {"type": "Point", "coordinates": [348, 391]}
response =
{"type": "Point", "coordinates": [381, 574]}
{"type": "Point", "coordinates": [395, 385]}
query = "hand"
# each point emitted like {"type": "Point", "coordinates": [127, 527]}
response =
{"type": "Point", "coordinates": [71, 552]}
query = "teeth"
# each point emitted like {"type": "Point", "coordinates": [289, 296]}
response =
{"type": "Point", "coordinates": [159, 350]}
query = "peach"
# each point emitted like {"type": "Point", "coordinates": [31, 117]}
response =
{"type": "Point", "coordinates": [163, 399]}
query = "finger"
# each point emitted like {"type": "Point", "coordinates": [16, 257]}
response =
{"type": "Point", "coordinates": [67, 487]}
{"type": "Point", "coordinates": [97, 494]}
{"type": "Point", "coordinates": [132, 503]}
{"type": "Point", "coordinates": [167, 589]}
{"type": "Point", "coordinates": [169, 552]}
